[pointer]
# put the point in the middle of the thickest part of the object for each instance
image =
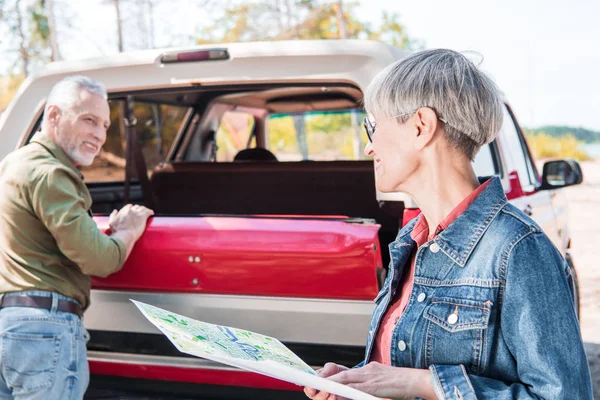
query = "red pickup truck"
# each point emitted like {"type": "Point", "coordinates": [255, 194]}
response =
{"type": "Point", "coordinates": [267, 216]}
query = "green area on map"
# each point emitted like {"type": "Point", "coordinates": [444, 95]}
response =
{"type": "Point", "coordinates": [206, 340]}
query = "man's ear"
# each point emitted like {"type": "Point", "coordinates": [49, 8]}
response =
{"type": "Point", "coordinates": [53, 115]}
{"type": "Point", "coordinates": [427, 123]}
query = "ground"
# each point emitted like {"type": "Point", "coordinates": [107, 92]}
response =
{"type": "Point", "coordinates": [584, 222]}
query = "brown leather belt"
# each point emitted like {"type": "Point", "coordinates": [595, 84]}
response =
{"type": "Point", "coordinates": [41, 302]}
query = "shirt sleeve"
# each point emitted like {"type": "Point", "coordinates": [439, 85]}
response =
{"type": "Point", "coordinates": [540, 328]}
{"type": "Point", "coordinates": [58, 204]}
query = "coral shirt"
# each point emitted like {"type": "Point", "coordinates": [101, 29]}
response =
{"type": "Point", "coordinates": [420, 234]}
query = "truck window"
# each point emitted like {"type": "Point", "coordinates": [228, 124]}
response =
{"type": "Point", "coordinates": [318, 136]}
{"type": "Point", "coordinates": [233, 135]}
{"type": "Point", "coordinates": [484, 164]}
{"type": "Point", "coordinates": [157, 126]}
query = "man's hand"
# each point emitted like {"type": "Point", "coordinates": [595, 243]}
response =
{"type": "Point", "coordinates": [131, 218]}
{"type": "Point", "coordinates": [128, 224]}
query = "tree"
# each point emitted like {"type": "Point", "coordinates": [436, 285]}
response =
{"type": "Point", "coordinates": [23, 52]}
{"type": "Point", "coordinates": [135, 20]}
{"type": "Point", "coordinates": [52, 33]}
{"type": "Point", "coordinates": [300, 19]}
{"type": "Point", "coordinates": [117, 5]}
{"type": "Point", "coordinates": [341, 20]}
{"type": "Point", "coordinates": [29, 40]}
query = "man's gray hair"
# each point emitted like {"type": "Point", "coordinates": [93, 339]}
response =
{"type": "Point", "coordinates": [67, 92]}
{"type": "Point", "coordinates": [449, 83]}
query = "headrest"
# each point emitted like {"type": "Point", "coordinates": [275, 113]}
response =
{"type": "Point", "coordinates": [255, 154]}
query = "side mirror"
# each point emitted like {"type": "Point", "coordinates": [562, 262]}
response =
{"type": "Point", "coordinates": [561, 173]}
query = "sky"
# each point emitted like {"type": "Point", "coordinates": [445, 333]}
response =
{"type": "Point", "coordinates": [543, 54]}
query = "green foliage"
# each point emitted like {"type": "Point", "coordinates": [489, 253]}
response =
{"type": "Point", "coordinates": [282, 134]}
{"type": "Point", "coordinates": [33, 33]}
{"type": "Point", "coordinates": [329, 136]}
{"type": "Point", "coordinates": [585, 135]}
{"type": "Point", "coordinates": [548, 146]}
{"type": "Point", "coordinates": [40, 30]}
{"type": "Point", "coordinates": [266, 20]}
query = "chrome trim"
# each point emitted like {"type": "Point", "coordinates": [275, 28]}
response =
{"type": "Point", "coordinates": [160, 361]}
{"type": "Point", "coordinates": [157, 361]}
{"type": "Point", "coordinates": [297, 320]}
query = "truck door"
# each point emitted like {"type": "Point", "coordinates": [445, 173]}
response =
{"type": "Point", "coordinates": [538, 205]}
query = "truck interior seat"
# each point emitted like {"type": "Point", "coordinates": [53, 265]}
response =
{"type": "Point", "coordinates": [265, 187]}
{"type": "Point", "coordinates": [255, 154]}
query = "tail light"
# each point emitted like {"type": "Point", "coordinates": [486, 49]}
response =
{"type": "Point", "coordinates": [194, 56]}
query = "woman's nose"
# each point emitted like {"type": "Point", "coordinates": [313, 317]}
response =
{"type": "Point", "coordinates": [369, 150]}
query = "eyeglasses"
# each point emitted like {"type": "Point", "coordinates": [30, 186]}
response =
{"type": "Point", "coordinates": [370, 127]}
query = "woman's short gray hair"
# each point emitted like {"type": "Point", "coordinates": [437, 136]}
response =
{"type": "Point", "coordinates": [463, 96]}
{"type": "Point", "coordinates": [66, 93]}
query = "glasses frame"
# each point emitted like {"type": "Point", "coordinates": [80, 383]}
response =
{"type": "Point", "coordinates": [370, 127]}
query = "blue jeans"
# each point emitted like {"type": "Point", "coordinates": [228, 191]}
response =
{"type": "Point", "coordinates": [43, 352]}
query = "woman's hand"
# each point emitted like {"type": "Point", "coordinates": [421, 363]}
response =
{"type": "Point", "coordinates": [383, 381]}
{"type": "Point", "coordinates": [328, 370]}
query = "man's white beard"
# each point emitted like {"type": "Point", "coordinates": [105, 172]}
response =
{"type": "Point", "coordinates": [79, 159]}
{"type": "Point", "coordinates": [72, 151]}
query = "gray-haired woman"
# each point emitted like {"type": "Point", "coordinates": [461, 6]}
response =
{"type": "Point", "coordinates": [478, 303]}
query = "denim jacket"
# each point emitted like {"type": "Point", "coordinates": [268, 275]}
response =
{"type": "Point", "coordinates": [491, 312]}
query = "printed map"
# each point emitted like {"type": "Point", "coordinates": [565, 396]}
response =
{"type": "Point", "coordinates": [242, 349]}
{"type": "Point", "coordinates": [221, 341]}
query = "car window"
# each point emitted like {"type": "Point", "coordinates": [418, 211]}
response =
{"type": "Point", "coordinates": [484, 164]}
{"type": "Point", "coordinates": [157, 125]}
{"type": "Point", "coordinates": [519, 159]}
{"type": "Point", "coordinates": [234, 134]}
{"type": "Point", "coordinates": [318, 136]}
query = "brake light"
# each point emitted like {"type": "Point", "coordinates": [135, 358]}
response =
{"type": "Point", "coordinates": [195, 55]}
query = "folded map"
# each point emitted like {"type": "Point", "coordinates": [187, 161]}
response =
{"type": "Point", "coordinates": [242, 349]}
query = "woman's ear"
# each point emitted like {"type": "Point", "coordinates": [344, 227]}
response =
{"type": "Point", "coordinates": [426, 124]}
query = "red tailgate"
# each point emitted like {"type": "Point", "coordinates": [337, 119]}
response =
{"type": "Point", "coordinates": [252, 256]}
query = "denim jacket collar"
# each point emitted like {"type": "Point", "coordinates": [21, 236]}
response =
{"type": "Point", "coordinates": [460, 238]}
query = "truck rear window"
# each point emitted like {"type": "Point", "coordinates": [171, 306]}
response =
{"type": "Point", "coordinates": [317, 136]}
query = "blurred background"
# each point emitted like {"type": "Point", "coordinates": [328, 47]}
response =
{"type": "Point", "coordinates": [543, 54]}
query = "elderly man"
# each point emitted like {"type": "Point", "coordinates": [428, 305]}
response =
{"type": "Point", "coordinates": [50, 245]}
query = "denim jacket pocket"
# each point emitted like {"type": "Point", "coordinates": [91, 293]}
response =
{"type": "Point", "coordinates": [456, 332]}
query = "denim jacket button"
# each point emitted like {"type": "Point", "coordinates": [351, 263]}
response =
{"type": "Point", "coordinates": [434, 247]}
{"type": "Point", "coordinates": [401, 345]}
{"type": "Point", "coordinates": [452, 319]}
{"type": "Point", "coordinates": [421, 297]}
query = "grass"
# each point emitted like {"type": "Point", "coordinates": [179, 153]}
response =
{"type": "Point", "coordinates": [546, 146]}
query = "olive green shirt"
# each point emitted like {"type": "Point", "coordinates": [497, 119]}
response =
{"type": "Point", "coordinates": [48, 239]}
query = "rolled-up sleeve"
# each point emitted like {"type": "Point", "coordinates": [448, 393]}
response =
{"type": "Point", "coordinates": [540, 328]}
{"type": "Point", "coordinates": [57, 203]}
